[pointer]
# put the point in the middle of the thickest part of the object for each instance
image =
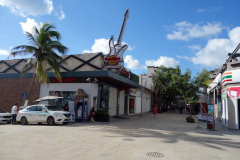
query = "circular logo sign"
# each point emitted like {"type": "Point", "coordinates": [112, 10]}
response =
{"type": "Point", "coordinates": [112, 60]}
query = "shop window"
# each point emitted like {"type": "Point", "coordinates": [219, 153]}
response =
{"type": "Point", "coordinates": [95, 103]}
{"type": "Point", "coordinates": [68, 96]}
{"type": "Point", "coordinates": [104, 97]}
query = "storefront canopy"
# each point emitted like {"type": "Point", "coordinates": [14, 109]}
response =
{"type": "Point", "coordinates": [104, 77]}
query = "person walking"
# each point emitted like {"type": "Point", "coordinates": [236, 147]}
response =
{"type": "Point", "coordinates": [181, 108]}
{"type": "Point", "coordinates": [155, 111]}
{"type": "Point", "coordinates": [92, 113]}
{"type": "Point", "coordinates": [14, 113]}
{"type": "Point", "coordinates": [168, 107]}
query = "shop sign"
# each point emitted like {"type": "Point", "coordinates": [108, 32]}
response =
{"type": "Point", "coordinates": [133, 91]}
{"type": "Point", "coordinates": [64, 80]}
{"type": "Point", "coordinates": [206, 117]}
{"type": "Point", "coordinates": [224, 93]}
{"type": "Point", "coordinates": [210, 109]}
{"type": "Point", "coordinates": [211, 101]}
{"type": "Point", "coordinates": [231, 77]}
{"type": "Point", "coordinates": [125, 73]}
{"type": "Point", "coordinates": [233, 92]}
{"type": "Point", "coordinates": [114, 60]}
{"type": "Point", "coordinates": [124, 88]}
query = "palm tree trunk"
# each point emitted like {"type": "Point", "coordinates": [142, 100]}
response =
{"type": "Point", "coordinates": [30, 88]}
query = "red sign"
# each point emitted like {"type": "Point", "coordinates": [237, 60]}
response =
{"type": "Point", "coordinates": [64, 80]}
{"type": "Point", "coordinates": [123, 88]}
{"type": "Point", "coordinates": [124, 72]}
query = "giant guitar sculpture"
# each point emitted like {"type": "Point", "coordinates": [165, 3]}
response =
{"type": "Point", "coordinates": [114, 60]}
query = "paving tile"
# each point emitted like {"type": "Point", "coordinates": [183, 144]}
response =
{"type": "Point", "coordinates": [169, 134]}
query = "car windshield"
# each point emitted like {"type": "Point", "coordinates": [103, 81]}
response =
{"type": "Point", "coordinates": [2, 111]}
{"type": "Point", "coordinates": [53, 108]}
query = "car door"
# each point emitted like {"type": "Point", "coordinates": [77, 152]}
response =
{"type": "Point", "coordinates": [31, 114]}
{"type": "Point", "coordinates": [40, 115]}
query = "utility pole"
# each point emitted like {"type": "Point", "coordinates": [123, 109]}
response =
{"type": "Point", "coordinates": [141, 95]}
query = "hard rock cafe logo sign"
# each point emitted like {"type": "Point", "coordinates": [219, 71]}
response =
{"type": "Point", "coordinates": [114, 60]}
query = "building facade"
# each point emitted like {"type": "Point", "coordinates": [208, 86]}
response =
{"type": "Point", "coordinates": [106, 89]}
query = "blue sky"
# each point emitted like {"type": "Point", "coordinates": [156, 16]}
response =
{"type": "Point", "coordinates": [192, 34]}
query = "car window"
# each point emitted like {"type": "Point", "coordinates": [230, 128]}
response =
{"type": "Point", "coordinates": [33, 108]}
{"type": "Point", "coordinates": [2, 111]}
{"type": "Point", "coordinates": [40, 108]}
{"type": "Point", "coordinates": [53, 108]}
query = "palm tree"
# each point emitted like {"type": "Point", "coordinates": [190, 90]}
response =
{"type": "Point", "coordinates": [44, 44]}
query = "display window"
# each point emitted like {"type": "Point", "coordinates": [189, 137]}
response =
{"type": "Point", "coordinates": [68, 96]}
{"type": "Point", "coordinates": [104, 97]}
{"type": "Point", "coordinates": [131, 106]}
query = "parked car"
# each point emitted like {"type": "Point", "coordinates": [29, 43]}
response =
{"type": "Point", "coordinates": [5, 117]}
{"type": "Point", "coordinates": [43, 113]}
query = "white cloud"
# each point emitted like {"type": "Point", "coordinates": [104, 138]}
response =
{"type": "Point", "coordinates": [30, 23]}
{"type": "Point", "coordinates": [195, 47]}
{"type": "Point", "coordinates": [101, 45]}
{"type": "Point", "coordinates": [4, 52]}
{"type": "Point", "coordinates": [186, 31]}
{"type": "Point", "coordinates": [200, 10]}
{"type": "Point", "coordinates": [62, 15]}
{"type": "Point", "coordinates": [133, 63]}
{"type": "Point", "coordinates": [214, 9]}
{"type": "Point", "coordinates": [214, 54]}
{"type": "Point", "coordinates": [183, 57]}
{"type": "Point", "coordinates": [28, 7]}
{"type": "Point", "coordinates": [163, 60]}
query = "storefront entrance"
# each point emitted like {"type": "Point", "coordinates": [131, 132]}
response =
{"type": "Point", "coordinates": [131, 106]}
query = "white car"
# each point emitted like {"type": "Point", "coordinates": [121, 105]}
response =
{"type": "Point", "coordinates": [42, 113]}
{"type": "Point", "coordinates": [5, 117]}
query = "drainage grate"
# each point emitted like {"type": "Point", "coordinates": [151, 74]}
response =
{"type": "Point", "coordinates": [128, 139]}
{"type": "Point", "coordinates": [155, 154]}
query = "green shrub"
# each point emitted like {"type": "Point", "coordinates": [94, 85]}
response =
{"type": "Point", "coordinates": [190, 120]}
{"type": "Point", "coordinates": [102, 111]}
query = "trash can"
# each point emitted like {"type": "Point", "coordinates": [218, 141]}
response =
{"type": "Point", "coordinates": [209, 125]}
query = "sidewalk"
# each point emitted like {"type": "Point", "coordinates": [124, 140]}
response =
{"type": "Point", "coordinates": [131, 139]}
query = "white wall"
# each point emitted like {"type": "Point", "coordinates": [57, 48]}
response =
{"type": "Point", "coordinates": [122, 98]}
{"type": "Point", "coordinates": [112, 101]}
{"type": "Point", "coordinates": [146, 102]}
{"type": "Point", "coordinates": [137, 105]}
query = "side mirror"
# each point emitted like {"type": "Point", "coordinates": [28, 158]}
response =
{"type": "Point", "coordinates": [44, 110]}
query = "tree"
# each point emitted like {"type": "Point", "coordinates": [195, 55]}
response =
{"type": "Point", "coordinates": [188, 88]}
{"type": "Point", "coordinates": [44, 44]}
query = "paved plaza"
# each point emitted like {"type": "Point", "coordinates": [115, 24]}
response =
{"type": "Point", "coordinates": [133, 138]}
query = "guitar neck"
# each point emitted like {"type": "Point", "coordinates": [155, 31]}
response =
{"type": "Point", "coordinates": [126, 16]}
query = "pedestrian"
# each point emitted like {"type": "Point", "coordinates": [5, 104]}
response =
{"type": "Point", "coordinates": [92, 113]}
{"type": "Point", "coordinates": [155, 111]}
{"type": "Point", "coordinates": [181, 108]}
{"type": "Point", "coordinates": [66, 107]}
{"type": "Point", "coordinates": [14, 113]}
{"type": "Point", "coordinates": [168, 107]}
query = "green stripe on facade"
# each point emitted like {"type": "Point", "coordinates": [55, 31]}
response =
{"type": "Point", "coordinates": [230, 76]}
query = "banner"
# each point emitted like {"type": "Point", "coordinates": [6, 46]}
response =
{"type": "Point", "coordinates": [206, 117]}
{"type": "Point", "coordinates": [210, 109]}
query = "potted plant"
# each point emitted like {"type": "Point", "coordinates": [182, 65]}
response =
{"type": "Point", "coordinates": [102, 115]}
{"type": "Point", "coordinates": [190, 120]}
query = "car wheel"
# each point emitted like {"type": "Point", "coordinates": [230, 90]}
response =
{"type": "Point", "coordinates": [24, 121]}
{"type": "Point", "coordinates": [50, 121]}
